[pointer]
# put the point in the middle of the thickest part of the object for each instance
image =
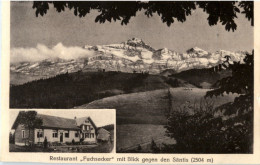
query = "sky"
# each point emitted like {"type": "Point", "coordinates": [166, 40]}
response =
{"type": "Point", "coordinates": [28, 31]}
{"type": "Point", "coordinates": [100, 117]}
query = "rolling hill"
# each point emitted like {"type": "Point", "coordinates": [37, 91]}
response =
{"type": "Point", "coordinates": [141, 116]}
{"type": "Point", "coordinates": [73, 89]}
{"type": "Point", "coordinates": [150, 107]}
{"type": "Point", "coordinates": [202, 78]}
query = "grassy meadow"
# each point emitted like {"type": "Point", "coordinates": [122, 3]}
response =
{"type": "Point", "coordinates": [141, 116]}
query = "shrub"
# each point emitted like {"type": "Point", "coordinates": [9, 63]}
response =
{"type": "Point", "coordinates": [77, 143]}
{"type": "Point", "coordinates": [45, 142]}
{"type": "Point", "coordinates": [68, 143]}
{"type": "Point", "coordinates": [139, 147]}
{"type": "Point", "coordinates": [154, 147]}
{"type": "Point", "coordinates": [204, 133]}
{"type": "Point", "coordinates": [11, 138]}
{"type": "Point", "coordinates": [173, 82]}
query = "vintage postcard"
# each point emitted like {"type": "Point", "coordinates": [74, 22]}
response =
{"type": "Point", "coordinates": [171, 82]}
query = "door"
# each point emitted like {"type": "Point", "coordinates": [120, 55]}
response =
{"type": "Point", "coordinates": [61, 137]}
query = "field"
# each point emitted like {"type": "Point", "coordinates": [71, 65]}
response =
{"type": "Point", "coordinates": [141, 116]}
{"type": "Point", "coordinates": [130, 136]}
{"type": "Point", "coordinates": [150, 107]}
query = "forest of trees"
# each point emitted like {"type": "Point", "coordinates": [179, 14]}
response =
{"type": "Point", "coordinates": [73, 89]}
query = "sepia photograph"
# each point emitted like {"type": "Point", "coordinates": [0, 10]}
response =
{"type": "Point", "coordinates": [179, 74]}
{"type": "Point", "coordinates": [89, 131]}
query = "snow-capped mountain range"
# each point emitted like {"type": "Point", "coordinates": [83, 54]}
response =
{"type": "Point", "coordinates": [132, 55]}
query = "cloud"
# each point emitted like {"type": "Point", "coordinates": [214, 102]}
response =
{"type": "Point", "coordinates": [41, 52]}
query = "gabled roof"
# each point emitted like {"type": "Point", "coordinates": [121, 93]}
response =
{"type": "Point", "coordinates": [80, 121]}
{"type": "Point", "coordinates": [103, 134]}
{"type": "Point", "coordinates": [54, 122]}
{"type": "Point", "coordinates": [57, 122]}
{"type": "Point", "coordinates": [103, 131]}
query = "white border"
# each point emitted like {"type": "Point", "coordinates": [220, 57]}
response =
{"type": "Point", "coordinates": [44, 157]}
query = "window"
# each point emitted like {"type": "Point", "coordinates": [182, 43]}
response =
{"type": "Point", "coordinates": [39, 134]}
{"type": "Point", "coordinates": [55, 134]}
{"type": "Point", "coordinates": [86, 127]}
{"type": "Point", "coordinates": [76, 134]}
{"type": "Point", "coordinates": [89, 135]}
{"type": "Point", "coordinates": [67, 135]}
{"type": "Point", "coordinates": [23, 134]}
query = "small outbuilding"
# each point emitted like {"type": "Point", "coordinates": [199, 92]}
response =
{"type": "Point", "coordinates": [103, 135]}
